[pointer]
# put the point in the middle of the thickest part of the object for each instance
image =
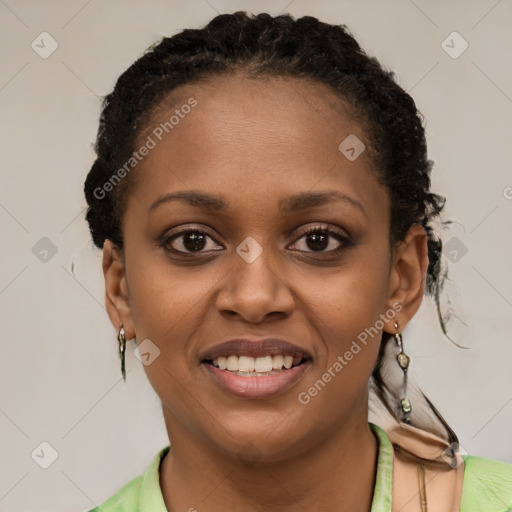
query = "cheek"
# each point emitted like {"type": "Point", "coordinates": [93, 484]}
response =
{"type": "Point", "coordinates": [165, 309]}
{"type": "Point", "coordinates": [345, 309]}
{"type": "Point", "coordinates": [348, 299]}
{"type": "Point", "coordinates": [168, 305]}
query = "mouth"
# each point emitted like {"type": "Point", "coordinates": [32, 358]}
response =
{"type": "Point", "coordinates": [256, 369]}
{"type": "Point", "coordinates": [247, 366]}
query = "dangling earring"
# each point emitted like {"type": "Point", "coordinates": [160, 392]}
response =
{"type": "Point", "coordinates": [403, 362]}
{"type": "Point", "coordinates": [122, 349]}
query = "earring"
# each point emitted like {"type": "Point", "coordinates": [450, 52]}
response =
{"type": "Point", "coordinates": [122, 349]}
{"type": "Point", "coordinates": [403, 362]}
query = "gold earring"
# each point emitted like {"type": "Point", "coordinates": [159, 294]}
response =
{"type": "Point", "coordinates": [122, 349]}
{"type": "Point", "coordinates": [403, 362]}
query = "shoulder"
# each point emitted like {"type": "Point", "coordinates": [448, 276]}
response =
{"type": "Point", "coordinates": [141, 494]}
{"type": "Point", "coordinates": [487, 485]}
{"type": "Point", "coordinates": [124, 500]}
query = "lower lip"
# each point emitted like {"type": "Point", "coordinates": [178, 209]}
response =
{"type": "Point", "coordinates": [266, 386]}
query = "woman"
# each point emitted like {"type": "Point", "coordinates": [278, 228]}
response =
{"type": "Point", "coordinates": [262, 197]}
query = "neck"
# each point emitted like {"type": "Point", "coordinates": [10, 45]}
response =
{"type": "Point", "coordinates": [338, 473]}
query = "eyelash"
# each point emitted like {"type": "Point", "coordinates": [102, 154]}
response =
{"type": "Point", "coordinates": [339, 235]}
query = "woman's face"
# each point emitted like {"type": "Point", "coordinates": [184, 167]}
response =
{"type": "Point", "coordinates": [264, 157]}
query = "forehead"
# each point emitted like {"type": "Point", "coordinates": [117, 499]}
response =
{"type": "Point", "coordinates": [308, 109]}
{"type": "Point", "coordinates": [250, 137]}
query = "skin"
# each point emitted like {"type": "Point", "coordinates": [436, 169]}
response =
{"type": "Point", "coordinates": [256, 142]}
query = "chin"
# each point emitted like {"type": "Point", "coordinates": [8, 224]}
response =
{"type": "Point", "coordinates": [256, 437]}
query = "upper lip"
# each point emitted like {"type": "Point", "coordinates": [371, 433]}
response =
{"type": "Point", "coordinates": [254, 348]}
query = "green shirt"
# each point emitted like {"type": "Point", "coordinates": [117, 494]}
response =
{"type": "Point", "coordinates": [487, 485]}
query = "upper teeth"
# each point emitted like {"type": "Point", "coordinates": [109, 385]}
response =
{"type": "Point", "coordinates": [255, 364]}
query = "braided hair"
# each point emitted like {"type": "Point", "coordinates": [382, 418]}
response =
{"type": "Point", "coordinates": [263, 45]}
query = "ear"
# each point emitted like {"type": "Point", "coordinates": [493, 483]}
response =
{"type": "Point", "coordinates": [117, 299]}
{"type": "Point", "coordinates": [408, 274]}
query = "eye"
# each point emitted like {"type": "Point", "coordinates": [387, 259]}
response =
{"type": "Point", "coordinates": [318, 239]}
{"type": "Point", "coordinates": [190, 241]}
{"type": "Point", "coordinates": [322, 239]}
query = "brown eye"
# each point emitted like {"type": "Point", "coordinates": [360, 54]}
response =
{"type": "Point", "coordinates": [322, 240]}
{"type": "Point", "coordinates": [190, 241]}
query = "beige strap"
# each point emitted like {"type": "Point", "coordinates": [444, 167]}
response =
{"type": "Point", "coordinates": [417, 488]}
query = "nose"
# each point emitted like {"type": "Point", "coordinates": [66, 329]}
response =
{"type": "Point", "coordinates": [255, 290]}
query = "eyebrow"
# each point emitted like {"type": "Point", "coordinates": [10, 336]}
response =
{"type": "Point", "coordinates": [294, 203]}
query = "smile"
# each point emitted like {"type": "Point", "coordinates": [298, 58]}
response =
{"type": "Point", "coordinates": [254, 378]}
{"type": "Point", "coordinates": [247, 366]}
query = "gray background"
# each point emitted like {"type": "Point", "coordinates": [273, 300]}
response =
{"type": "Point", "coordinates": [60, 375]}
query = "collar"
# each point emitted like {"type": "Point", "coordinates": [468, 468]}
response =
{"type": "Point", "coordinates": [382, 491]}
